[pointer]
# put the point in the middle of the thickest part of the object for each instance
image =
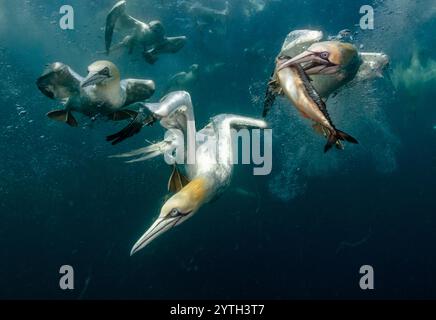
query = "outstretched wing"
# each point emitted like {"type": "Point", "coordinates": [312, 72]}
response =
{"type": "Point", "coordinates": [373, 66]}
{"type": "Point", "coordinates": [174, 111]}
{"type": "Point", "coordinates": [118, 15]}
{"type": "Point", "coordinates": [137, 90]}
{"type": "Point", "coordinates": [59, 81]}
{"type": "Point", "coordinates": [224, 126]}
{"type": "Point", "coordinates": [231, 121]}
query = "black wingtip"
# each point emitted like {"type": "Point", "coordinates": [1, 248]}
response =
{"type": "Point", "coordinates": [127, 132]}
{"type": "Point", "coordinates": [133, 128]}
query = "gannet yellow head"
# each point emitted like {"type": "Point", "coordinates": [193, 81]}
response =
{"type": "Point", "coordinates": [101, 73]}
{"type": "Point", "coordinates": [175, 211]}
{"type": "Point", "coordinates": [325, 57]}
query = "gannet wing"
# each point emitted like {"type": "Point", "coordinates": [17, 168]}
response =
{"type": "Point", "coordinates": [174, 111]}
{"type": "Point", "coordinates": [372, 66]}
{"type": "Point", "coordinates": [225, 122]}
{"type": "Point", "coordinates": [118, 16]}
{"type": "Point", "coordinates": [240, 122]}
{"type": "Point", "coordinates": [59, 81]}
{"type": "Point", "coordinates": [142, 119]}
{"type": "Point", "coordinates": [137, 90]}
{"type": "Point", "coordinates": [148, 152]}
{"type": "Point", "coordinates": [223, 126]}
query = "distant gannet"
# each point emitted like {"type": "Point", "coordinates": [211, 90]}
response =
{"type": "Point", "coordinates": [206, 17]}
{"type": "Point", "coordinates": [184, 80]}
{"type": "Point", "coordinates": [150, 36]}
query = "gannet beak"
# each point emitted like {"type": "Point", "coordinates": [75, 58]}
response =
{"type": "Point", "coordinates": [160, 226]}
{"type": "Point", "coordinates": [313, 62]}
{"type": "Point", "coordinates": [176, 210]}
{"type": "Point", "coordinates": [93, 79]}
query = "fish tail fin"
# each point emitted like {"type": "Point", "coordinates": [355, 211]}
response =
{"type": "Point", "coordinates": [335, 138]}
{"type": "Point", "coordinates": [346, 137]}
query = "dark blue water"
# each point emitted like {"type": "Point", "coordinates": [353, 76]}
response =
{"type": "Point", "coordinates": [301, 232]}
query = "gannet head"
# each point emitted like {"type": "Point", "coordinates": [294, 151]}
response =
{"type": "Point", "coordinates": [157, 28]}
{"type": "Point", "coordinates": [101, 73]}
{"type": "Point", "coordinates": [176, 210]}
{"type": "Point", "coordinates": [194, 68]}
{"type": "Point", "coordinates": [327, 57]}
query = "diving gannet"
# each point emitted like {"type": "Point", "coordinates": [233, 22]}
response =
{"type": "Point", "coordinates": [329, 64]}
{"type": "Point", "coordinates": [207, 177]}
{"type": "Point", "coordinates": [102, 92]}
{"type": "Point", "coordinates": [150, 36]}
{"type": "Point", "coordinates": [307, 100]}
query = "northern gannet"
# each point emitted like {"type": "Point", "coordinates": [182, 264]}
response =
{"type": "Point", "coordinates": [102, 92]}
{"type": "Point", "coordinates": [329, 64]}
{"type": "Point", "coordinates": [150, 36]}
{"type": "Point", "coordinates": [307, 100]}
{"type": "Point", "coordinates": [208, 17]}
{"type": "Point", "coordinates": [206, 177]}
{"type": "Point", "coordinates": [184, 80]}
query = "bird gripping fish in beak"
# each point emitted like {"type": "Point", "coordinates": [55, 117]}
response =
{"type": "Point", "coordinates": [292, 80]}
{"type": "Point", "coordinates": [325, 57]}
{"type": "Point", "coordinates": [330, 63]}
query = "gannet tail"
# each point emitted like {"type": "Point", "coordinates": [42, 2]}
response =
{"type": "Point", "coordinates": [143, 154]}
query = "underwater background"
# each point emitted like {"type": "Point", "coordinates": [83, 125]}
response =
{"type": "Point", "coordinates": [301, 232]}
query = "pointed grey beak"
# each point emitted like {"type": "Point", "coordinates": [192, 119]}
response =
{"type": "Point", "coordinates": [93, 79]}
{"type": "Point", "coordinates": [313, 64]}
{"type": "Point", "coordinates": [160, 226]}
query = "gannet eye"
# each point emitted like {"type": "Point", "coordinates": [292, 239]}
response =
{"type": "Point", "coordinates": [284, 57]}
{"type": "Point", "coordinates": [174, 213]}
{"type": "Point", "coordinates": [105, 72]}
{"type": "Point", "coordinates": [324, 55]}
